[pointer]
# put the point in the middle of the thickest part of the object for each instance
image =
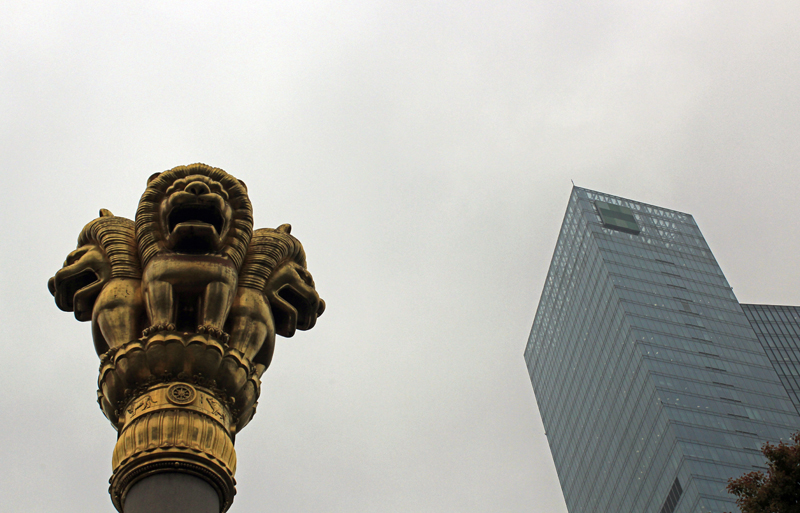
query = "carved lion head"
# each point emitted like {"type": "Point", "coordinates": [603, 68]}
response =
{"type": "Point", "coordinates": [106, 250]}
{"type": "Point", "coordinates": [196, 209]}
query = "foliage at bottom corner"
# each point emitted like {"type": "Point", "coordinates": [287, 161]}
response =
{"type": "Point", "coordinates": [777, 490]}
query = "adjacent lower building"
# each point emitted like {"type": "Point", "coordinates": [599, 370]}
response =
{"type": "Point", "coordinates": [778, 330]}
{"type": "Point", "coordinates": [653, 385]}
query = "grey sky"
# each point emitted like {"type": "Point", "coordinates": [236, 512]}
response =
{"type": "Point", "coordinates": [422, 152]}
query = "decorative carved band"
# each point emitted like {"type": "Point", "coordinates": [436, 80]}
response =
{"type": "Point", "coordinates": [161, 436]}
{"type": "Point", "coordinates": [128, 372]}
{"type": "Point", "coordinates": [178, 396]}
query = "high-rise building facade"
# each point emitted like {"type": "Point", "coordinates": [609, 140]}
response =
{"type": "Point", "coordinates": [652, 385]}
{"type": "Point", "coordinates": [778, 330]}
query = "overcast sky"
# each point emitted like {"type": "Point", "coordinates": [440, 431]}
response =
{"type": "Point", "coordinates": [422, 152]}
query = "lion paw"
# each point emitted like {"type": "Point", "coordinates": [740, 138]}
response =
{"type": "Point", "coordinates": [214, 332]}
{"type": "Point", "coordinates": [155, 328]}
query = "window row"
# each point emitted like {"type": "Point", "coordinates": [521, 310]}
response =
{"type": "Point", "coordinates": [680, 259]}
{"type": "Point", "coordinates": [741, 439]}
{"type": "Point", "coordinates": [769, 313]}
{"type": "Point", "coordinates": [658, 285]}
{"type": "Point", "coordinates": [736, 337]}
{"type": "Point", "coordinates": [776, 329]}
{"type": "Point", "coordinates": [729, 422]}
{"type": "Point", "coordinates": [722, 455]}
{"type": "Point", "coordinates": [766, 384]}
{"type": "Point", "coordinates": [716, 406]}
{"type": "Point", "coordinates": [718, 470]}
{"type": "Point", "coordinates": [708, 356]}
{"type": "Point", "coordinates": [754, 355]}
{"type": "Point", "coordinates": [722, 392]}
{"type": "Point", "coordinates": [682, 317]}
{"type": "Point", "coordinates": [779, 341]}
{"type": "Point", "coordinates": [679, 242]}
{"type": "Point", "coordinates": [653, 267]}
{"type": "Point", "coordinates": [715, 289]}
{"type": "Point", "coordinates": [721, 309]}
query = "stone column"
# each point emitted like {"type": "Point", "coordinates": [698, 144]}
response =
{"type": "Point", "coordinates": [172, 492]}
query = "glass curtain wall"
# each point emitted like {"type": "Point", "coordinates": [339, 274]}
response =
{"type": "Point", "coordinates": [652, 386]}
{"type": "Point", "coordinates": [778, 330]}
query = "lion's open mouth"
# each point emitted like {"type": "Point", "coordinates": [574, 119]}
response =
{"type": "Point", "coordinates": [196, 213]}
{"type": "Point", "coordinates": [74, 284]}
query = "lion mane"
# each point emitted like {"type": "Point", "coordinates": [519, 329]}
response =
{"type": "Point", "coordinates": [116, 237]}
{"type": "Point", "coordinates": [150, 234]}
{"type": "Point", "coordinates": [269, 249]}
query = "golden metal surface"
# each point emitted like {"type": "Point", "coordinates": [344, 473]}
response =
{"type": "Point", "coordinates": [185, 303]}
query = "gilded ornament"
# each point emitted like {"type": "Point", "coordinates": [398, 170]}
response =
{"type": "Point", "coordinates": [180, 394]}
{"type": "Point", "coordinates": [185, 303]}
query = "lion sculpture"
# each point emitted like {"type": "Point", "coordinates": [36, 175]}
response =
{"type": "Point", "coordinates": [276, 295]}
{"type": "Point", "coordinates": [101, 281]}
{"type": "Point", "coordinates": [193, 226]}
{"type": "Point", "coordinates": [192, 263]}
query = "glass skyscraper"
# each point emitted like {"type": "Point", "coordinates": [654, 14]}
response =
{"type": "Point", "coordinates": [652, 384]}
{"type": "Point", "coordinates": [778, 330]}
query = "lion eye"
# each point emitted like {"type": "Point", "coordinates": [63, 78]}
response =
{"type": "Point", "coordinates": [217, 188]}
{"type": "Point", "coordinates": [75, 256]}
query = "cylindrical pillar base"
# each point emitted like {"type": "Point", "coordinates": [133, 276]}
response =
{"type": "Point", "coordinates": [169, 429]}
{"type": "Point", "coordinates": [177, 400]}
{"type": "Point", "coordinates": [171, 492]}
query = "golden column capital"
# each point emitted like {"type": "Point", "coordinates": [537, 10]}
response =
{"type": "Point", "coordinates": [185, 303]}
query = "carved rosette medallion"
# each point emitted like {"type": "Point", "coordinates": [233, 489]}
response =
{"type": "Point", "coordinates": [181, 394]}
{"type": "Point", "coordinates": [185, 303]}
